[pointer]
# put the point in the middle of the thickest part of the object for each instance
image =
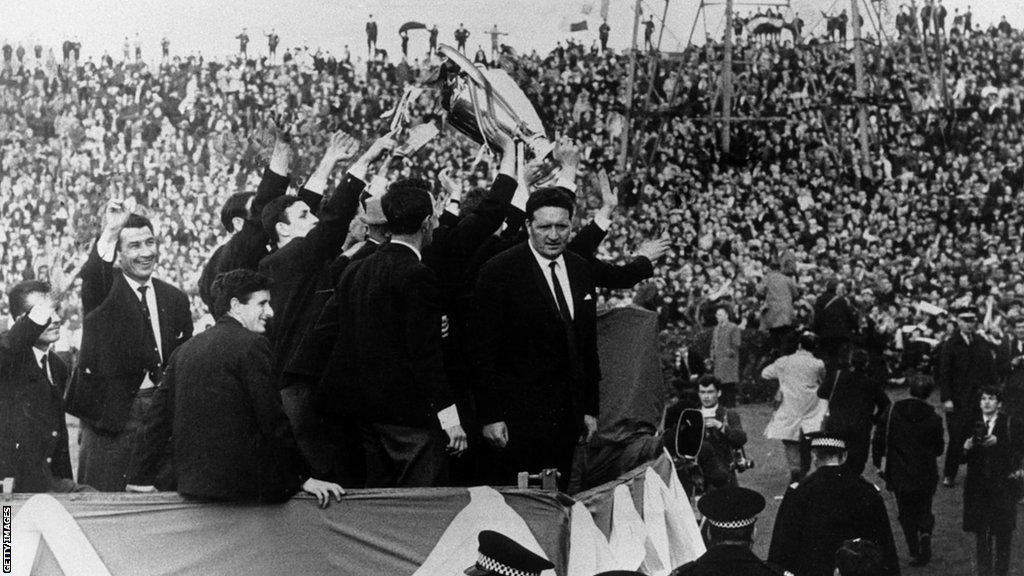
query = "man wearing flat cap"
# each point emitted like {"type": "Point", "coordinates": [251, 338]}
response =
{"type": "Point", "coordinates": [828, 507]}
{"type": "Point", "coordinates": [966, 363]}
{"type": "Point", "coordinates": [730, 514]}
{"type": "Point", "coordinates": [502, 556]}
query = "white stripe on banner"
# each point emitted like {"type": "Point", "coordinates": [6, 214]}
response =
{"type": "Point", "coordinates": [44, 518]}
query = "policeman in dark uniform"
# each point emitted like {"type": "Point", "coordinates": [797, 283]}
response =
{"type": "Point", "coordinates": [828, 507]}
{"type": "Point", "coordinates": [502, 556]}
{"type": "Point", "coordinates": [730, 514]}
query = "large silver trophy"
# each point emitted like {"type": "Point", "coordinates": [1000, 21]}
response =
{"type": "Point", "coordinates": [480, 102]}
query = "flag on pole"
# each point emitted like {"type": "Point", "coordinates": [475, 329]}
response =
{"type": "Point", "coordinates": [578, 26]}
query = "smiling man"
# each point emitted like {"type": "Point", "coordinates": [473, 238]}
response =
{"type": "Point", "coordinates": [536, 331]}
{"type": "Point", "coordinates": [133, 322]}
{"type": "Point", "coordinates": [219, 407]}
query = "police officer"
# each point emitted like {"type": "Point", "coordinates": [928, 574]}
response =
{"type": "Point", "coordinates": [828, 507]}
{"type": "Point", "coordinates": [730, 514]}
{"type": "Point", "coordinates": [502, 556]}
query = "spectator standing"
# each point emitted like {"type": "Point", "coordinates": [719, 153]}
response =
{"type": "Point", "coordinates": [780, 293]}
{"type": "Point", "coordinates": [726, 339]}
{"type": "Point", "coordinates": [966, 364]}
{"type": "Point", "coordinates": [907, 442]}
{"type": "Point", "coordinates": [799, 411]}
{"type": "Point", "coordinates": [602, 33]}
{"type": "Point", "coordinates": [855, 403]}
{"type": "Point", "coordinates": [371, 36]}
{"type": "Point", "coordinates": [461, 36]}
{"type": "Point", "coordinates": [272, 41]}
{"type": "Point", "coordinates": [993, 454]}
{"type": "Point", "coordinates": [243, 42]}
{"type": "Point", "coordinates": [432, 47]}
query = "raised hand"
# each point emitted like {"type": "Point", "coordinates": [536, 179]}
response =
{"type": "Point", "coordinates": [609, 196]}
{"type": "Point", "coordinates": [115, 216]}
{"type": "Point", "coordinates": [342, 147]}
{"type": "Point", "coordinates": [655, 249]}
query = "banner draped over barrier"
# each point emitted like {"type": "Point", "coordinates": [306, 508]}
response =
{"type": "Point", "coordinates": [415, 532]}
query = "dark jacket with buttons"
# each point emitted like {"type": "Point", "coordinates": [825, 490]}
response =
{"type": "Point", "coordinates": [33, 433]}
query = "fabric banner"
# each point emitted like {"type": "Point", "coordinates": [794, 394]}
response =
{"type": "Point", "coordinates": [413, 532]}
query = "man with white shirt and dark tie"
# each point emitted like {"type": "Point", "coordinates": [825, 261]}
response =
{"type": "Point", "coordinates": [33, 433]}
{"type": "Point", "coordinates": [537, 369]}
{"type": "Point", "coordinates": [133, 322]}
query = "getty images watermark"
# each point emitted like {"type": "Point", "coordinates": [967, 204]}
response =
{"type": "Point", "coordinates": [7, 539]}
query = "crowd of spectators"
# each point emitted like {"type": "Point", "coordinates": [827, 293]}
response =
{"type": "Point", "coordinates": [933, 216]}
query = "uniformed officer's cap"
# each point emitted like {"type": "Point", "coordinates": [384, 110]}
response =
{"type": "Point", "coordinates": [500, 555]}
{"type": "Point", "coordinates": [827, 440]}
{"type": "Point", "coordinates": [731, 507]}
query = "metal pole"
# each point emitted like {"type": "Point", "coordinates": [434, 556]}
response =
{"type": "Point", "coordinates": [624, 144]}
{"type": "Point", "coordinates": [652, 68]}
{"type": "Point", "coordinates": [861, 92]}
{"type": "Point", "coordinates": [727, 79]}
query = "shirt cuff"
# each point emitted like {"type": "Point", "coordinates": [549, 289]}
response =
{"type": "Point", "coordinates": [603, 222]}
{"type": "Point", "coordinates": [449, 417]}
{"type": "Point", "coordinates": [105, 250]}
{"type": "Point", "coordinates": [359, 171]}
{"type": "Point", "coordinates": [40, 315]}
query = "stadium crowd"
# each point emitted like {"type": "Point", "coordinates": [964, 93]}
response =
{"type": "Point", "coordinates": [893, 253]}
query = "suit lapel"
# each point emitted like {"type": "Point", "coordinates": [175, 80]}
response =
{"type": "Point", "coordinates": [540, 281]}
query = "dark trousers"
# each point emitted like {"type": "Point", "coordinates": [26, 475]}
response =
{"type": "Point", "coordinates": [957, 422]}
{"type": "Point", "coordinates": [404, 456]}
{"type": "Point", "coordinates": [344, 437]}
{"type": "Point", "coordinates": [915, 515]}
{"type": "Point", "coordinates": [103, 455]}
{"type": "Point", "coordinates": [298, 401]}
{"type": "Point", "coordinates": [532, 447]}
{"type": "Point", "coordinates": [1001, 564]}
{"type": "Point", "coordinates": [857, 452]}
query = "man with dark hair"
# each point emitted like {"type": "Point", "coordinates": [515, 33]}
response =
{"type": "Point", "coordinates": [386, 369]}
{"type": "Point", "coordinates": [909, 438]}
{"type": "Point", "coordinates": [307, 242]}
{"type": "Point", "coordinates": [726, 338]}
{"type": "Point", "coordinates": [219, 406]}
{"type": "Point", "coordinates": [993, 453]}
{"type": "Point", "coordinates": [33, 432]}
{"type": "Point", "coordinates": [860, 557]}
{"type": "Point", "coordinates": [723, 433]}
{"type": "Point", "coordinates": [966, 363]}
{"type": "Point", "coordinates": [536, 346]}
{"type": "Point", "coordinates": [731, 514]}
{"type": "Point", "coordinates": [241, 214]}
{"type": "Point", "coordinates": [828, 507]}
{"type": "Point", "coordinates": [133, 323]}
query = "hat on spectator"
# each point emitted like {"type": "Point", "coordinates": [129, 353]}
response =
{"type": "Point", "coordinates": [966, 313]}
{"type": "Point", "coordinates": [502, 556]}
{"type": "Point", "coordinates": [732, 507]}
{"type": "Point", "coordinates": [372, 214]}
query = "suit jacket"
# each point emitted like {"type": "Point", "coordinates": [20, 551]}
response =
{"type": "Point", "coordinates": [531, 365]}
{"type": "Point", "coordinates": [834, 318]}
{"type": "Point", "coordinates": [301, 273]}
{"type": "Point", "coordinates": [220, 407]}
{"type": "Point", "coordinates": [725, 352]}
{"type": "Point", "coordinates": [247, 246]}
{"type": "Point", "coordinates": [715, 456]}
{"type": "Point", "coordinates": [989, 494]}
{"type": "Point", "coordinates": [114, 358]}
{"type": "Point", "coordinates": [909, 437]}
{"type": "Point", "coordinates": [964, 369]}
{"type": "Point", "coordinates": [33, 432]}
{"type": "Point", "coordinates": [386, 365]}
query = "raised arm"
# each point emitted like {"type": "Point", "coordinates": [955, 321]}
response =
{"type": "Point", "coordinates": [98, 272]}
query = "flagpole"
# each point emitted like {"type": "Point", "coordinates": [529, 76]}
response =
{"type": "Point", "coordinates": [727, 80]}
{"type": "Point", "coordinates": [624, 144]}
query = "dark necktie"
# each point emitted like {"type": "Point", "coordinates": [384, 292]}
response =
{"type": "Point", "coordinates": [147, 330]}
{"type": "Point", "coordinates": [44, 365]}
{"type": "Point", "coordinates": [563, 306]}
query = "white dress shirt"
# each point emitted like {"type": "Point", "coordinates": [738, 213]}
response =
{"type": "Point", "coordinates": [560, 272]}
{"type": "Point", "coordinates": [42, 358]}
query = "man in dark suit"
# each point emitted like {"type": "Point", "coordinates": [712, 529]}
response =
{"type": "Point", "coordinates": [1013, 372]}
{"type": "Point", "coordinates": [307, 243]}
{"type": "Point", "coordinates": [219, 406]}
{"type": "Point", "coordinates": [133, 323]}
{"type": "Point", "coordinates": [241, 216]}
{"type": "Point", "coordinates": [33, 433]}
{"type": "Point", "coordinates": [536, 346]}
{"type": "Point", "coordinates": [909, 438]}
{"type": "Point", "coordinates": [386, 370]}
{"type": "Point", "coordinates": [966, 363]}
